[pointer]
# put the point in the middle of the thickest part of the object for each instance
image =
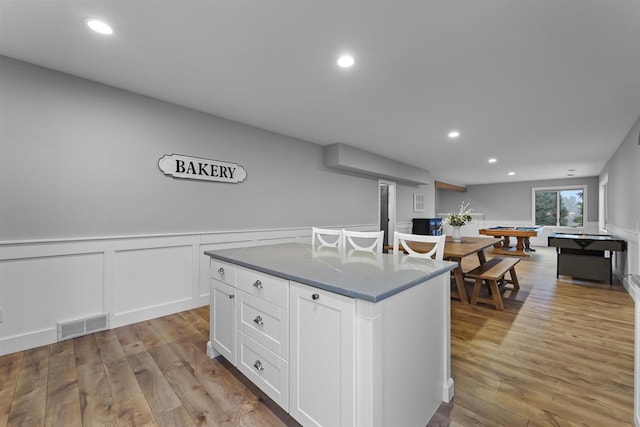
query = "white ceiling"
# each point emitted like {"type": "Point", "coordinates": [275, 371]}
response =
{"type": "Point", "coordinates": [543, 86]}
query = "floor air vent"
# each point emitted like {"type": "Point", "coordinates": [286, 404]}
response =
{"type": "Point", "coordinates": [76, 328]}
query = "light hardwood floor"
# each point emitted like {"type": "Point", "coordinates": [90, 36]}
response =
{"type": "Point", "coordinates": [560, 354]}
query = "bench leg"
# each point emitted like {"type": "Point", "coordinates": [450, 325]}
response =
{"type": "Point", "coordinates": [476, 292]}
{"type": "Point", "coordinates": [497, 298]}
{"type": "Point", "coordinates": [493, 289]}
{"type": "Point", "coordinates": [514, 279]}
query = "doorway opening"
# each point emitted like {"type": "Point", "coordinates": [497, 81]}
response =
{"type": "Point", "coordinates": [603, 204]}
{"type": "Point", "coordinates": [387, 209]}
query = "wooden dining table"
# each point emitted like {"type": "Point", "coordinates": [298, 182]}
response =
{"type": "Point", "coordinates": [455, 251]}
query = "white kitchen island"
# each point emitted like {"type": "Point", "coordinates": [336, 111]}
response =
{"type": "Point", "coordinates": [335, 339]}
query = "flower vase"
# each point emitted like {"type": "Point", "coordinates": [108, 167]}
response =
{"type": "Point", "coordinates": [457, 235]}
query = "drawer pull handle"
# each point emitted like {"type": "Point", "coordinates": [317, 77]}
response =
{"type": "Point", "coordinates": [231, 296]}
{"type": "Point", "coordinates": [221, 270]}
{"type": "Point", "coordinates": [258, 321]}
{"type": "Point", "coordinates": [258, 365]}
{"type": "Point", "coordinates": [258, 284]}
{"type": "Point", "coordinates": [315, 296]}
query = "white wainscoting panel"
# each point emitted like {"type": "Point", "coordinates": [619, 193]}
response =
{"type": "Point", "coordinates": [151, 277]}
{"type": "Point", "coordinates": [130, 278]}
{"type": "Point", "coordinates": [627, 263]}
{"type": "Point", "coordinates": [39, 292]}
{"type": "Point", "coordinates": [403, 227]}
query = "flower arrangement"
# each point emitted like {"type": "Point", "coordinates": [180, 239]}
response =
{"type": "Point", "coordinates": [460, 218]}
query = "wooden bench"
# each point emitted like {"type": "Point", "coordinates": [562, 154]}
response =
{"type": "Point", "coordinates": [491, 272]}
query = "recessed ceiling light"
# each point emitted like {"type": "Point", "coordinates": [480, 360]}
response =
{"type": "Point", "coordinates": [99, 26]}
{"type": "Point", "coordinates": [572, 170]}
{"type": "Point", "coordinates": [511, 173]}
{"type": "Point", "coordinates": [569, 174]}
{"type": "Point", "coordinates": [346, 61]}
{"type": "Point", "coordinates": [492, 160]}
{"type": "Point", "coordinates": [454, 134]}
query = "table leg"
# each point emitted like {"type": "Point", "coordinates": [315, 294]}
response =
{"type": "Point", "coordinates": [527, 245]}
{"type": "Point", "coordinates": [459, 279]}
{"type": "Point", "coordinates": [481, 257]}
{"type": "Point", "coordinates": [503, 247]}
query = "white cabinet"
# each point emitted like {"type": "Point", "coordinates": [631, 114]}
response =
{"type": "Point", "coordinates": [250, 326]}
{"type": "Point", "coordinates": [331, 360]}
{"type": "Point", "coordinates": [263, 334]}
{"type": "Point", "coordinates": [322, 363]}
{"type": "Point", "coordinates": [223, 309]}
{"type": "Point", "coordinates": [223, 320]}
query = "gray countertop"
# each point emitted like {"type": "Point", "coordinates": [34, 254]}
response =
{"type": "Point", "coordinates": [363, 275]}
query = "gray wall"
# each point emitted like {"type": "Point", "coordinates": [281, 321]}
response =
{"type": "Point", "coordinates": [79, 159]}
{"type": "Point", "coordinates": [623, 170]}
{"type": "Point", "coordinates": [512, 201]}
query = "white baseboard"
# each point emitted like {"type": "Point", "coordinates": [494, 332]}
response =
{"type": "Point", "coordinates": [447, 391]}
{"type": "Point", "coordinates": [28, 340]}
{"type": "Point", "coordinates": [211, 352]}
{"type": "Point", "coordinates": [148, 313]}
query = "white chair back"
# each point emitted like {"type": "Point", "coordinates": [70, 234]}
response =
{"type": "Point", "coordinates": [402, 239]}
{"type": "Point", "coordinates": [370, 241]}
{"type": "Point", "coordinates": [326, 237]}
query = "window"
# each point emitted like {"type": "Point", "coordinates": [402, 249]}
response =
{"type": "Point", "coordinates": [418, 202]}
{"type": "Point", "coordinates": [560, 207]}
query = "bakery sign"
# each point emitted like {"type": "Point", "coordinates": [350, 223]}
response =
{"type": "Point", "coordinates": [203, 169]}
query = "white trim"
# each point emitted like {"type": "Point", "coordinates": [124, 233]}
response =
{"type": "Point", "coordinates": [153, 236]}
{"type": "Point", "coordinates": [632, 286]}
{"type": "Point", "coordinates": [603, 203]}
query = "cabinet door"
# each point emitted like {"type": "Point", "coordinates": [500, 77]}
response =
{"type": "Point", "coordinates": [223, 320]}
{"type": "Point", "coordinates": [322, 363]}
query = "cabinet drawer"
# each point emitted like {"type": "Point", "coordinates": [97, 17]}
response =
{"type": "Point", "coordinates": [264, 286]}
{"type": "Point", "coordinates": [266, 323]}
{"type": "Point", "coordinates": [265, 369]}
{"type": "Point", "coordinates": [223, 271]}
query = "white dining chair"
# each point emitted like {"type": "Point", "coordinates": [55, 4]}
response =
{"type": "Point", "coordinates": [402, 239]}
{"type": "Point", "coordinates": [326, 237]}
{"type": "Point", "coordinates": [371, 241]}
